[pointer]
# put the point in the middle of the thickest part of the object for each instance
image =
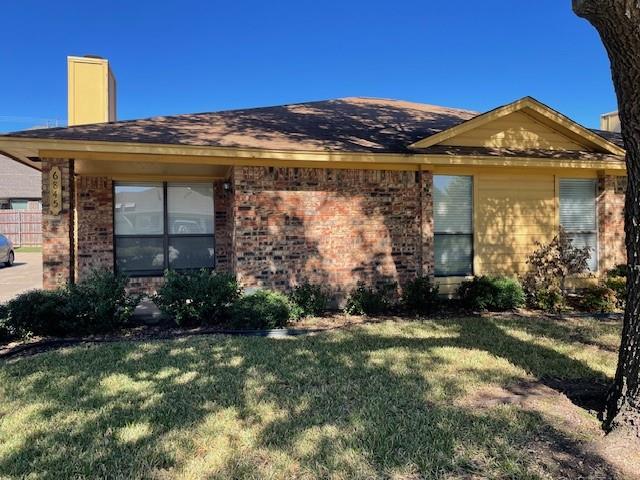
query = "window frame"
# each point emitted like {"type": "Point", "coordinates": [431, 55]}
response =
{"type": "Point", "coordinates": [165, 236]}
{"type": "Point", "coordinates": [471, 235]}
{"type": "Point", "coordinates": [596, 231]}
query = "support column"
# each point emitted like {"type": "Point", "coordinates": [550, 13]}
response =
{"type": "Point", "coordinates": [57, 222]}
{"type": "Point", "coordinates": [611, 236]}
{"type": "Point", "coordinates": [426, 224]}
{"type": "Point", "coordinates": [94, 225]}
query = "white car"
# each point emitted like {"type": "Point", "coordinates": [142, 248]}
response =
{"type": "Point", "coordinates": [7, 255]}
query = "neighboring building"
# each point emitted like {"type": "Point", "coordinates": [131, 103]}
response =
{"type": "Point", "coordinates": [20, 186]}
{"type": "Point", "coordinates": [334, 192]}
{"type": "Point", "coordinates": [610, 122]}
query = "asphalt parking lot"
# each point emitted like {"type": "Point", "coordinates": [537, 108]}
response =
{"type": "Point", "coordinates": [25, 274]}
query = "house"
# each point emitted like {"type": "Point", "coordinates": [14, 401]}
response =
{"type": "Point", "coordinates": [20, 186]}
{"type": "Point", "coordinates": [334, 192]}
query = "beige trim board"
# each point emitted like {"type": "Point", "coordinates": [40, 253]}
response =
{"type": "Point", "coordinates": [399, 162]}
{"type": "Point", "coordinates": [121, 151]}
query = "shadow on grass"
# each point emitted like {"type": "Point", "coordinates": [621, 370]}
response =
{"type": "Point", "coordinates": [369, 402]}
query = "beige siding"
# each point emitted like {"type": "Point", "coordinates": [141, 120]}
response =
{"type": "Point", "coordinates": [512, 212]}
{"type": "Point", "coordinates": [517, 130]}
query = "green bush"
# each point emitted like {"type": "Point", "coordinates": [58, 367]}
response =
{"type": "Point", "coordinates": [262, 309]}
{"type": "Point", "coordinates": [549, 299]}
{"type": "Point", "coordinates": [491, 293]}
{"type": "Point", "coordinates": [37, 312]}
{"type": "Point", "coordinates": [5, 331]}
{"type": "Point", "coordinates": [619, 286]}
{"type": "Point", "coordinates": [370, 301]}
{"type": "Point", "coordinates": [420, 295]}
{"type": "Point", "coordinates": [98, 304]}
{"type": "Point", "coordinates": [549, 267]}
{"type": "Point", "coordinates": [309, 300]}
{"type": "Point", "coordinates": [197, 297]}
{"type": "Point", "coordinates": [598, 298]}
{"type": "Point", "coordinates": [618, 271]}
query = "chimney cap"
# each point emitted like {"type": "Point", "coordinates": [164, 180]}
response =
{"type": "Point", "coordinates": [98, 57]}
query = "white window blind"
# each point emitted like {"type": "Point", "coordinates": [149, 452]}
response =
{"type": "Point", "coordinates": [453, 225]}
{"type": "Point", "coordinates": [578, 214]}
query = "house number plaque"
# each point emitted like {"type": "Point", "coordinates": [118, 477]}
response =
{"type": "Point", "coordinates": [55, 191]}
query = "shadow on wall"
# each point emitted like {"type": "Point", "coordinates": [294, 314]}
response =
{"type": "Point", "coordinates": [341, 227]}
{"type": "Point", "coordinates": [513, 213]}
{"type": "Point", "coordinates": [329, 227]}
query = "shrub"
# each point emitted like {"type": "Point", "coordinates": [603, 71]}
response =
{"type": "Point", "coordinates": [262, 309]}
{"type": "Point", "coordinates": [618, 271]}
{"type": "Point", "coordinates": [598, 298]}
{"type": "Point", "coordinates": [309, 300]}
{"type": "Point", "coordinates": [95, 305]}
{"type": "Point", "coordinates": [619, 286]}
{"type": "Point", "coordinates": [549, 299]}
{"type": "Point", "coordinates": [5, 331]}
{"type": "Point", "coordinates": [37, 312]}
{"type": "Point", "coordinates": [370, 301]}
{"type": "Point", "coordinates": [491, 293]}
{"type": "Point", "coordinates": [98, 304]}
{"type": "Point", "coordinates": [420, 295]}
{"type": "Point", "coordinates": [549, 267]}
{"type": "Point", "coordinates": [197, 297]}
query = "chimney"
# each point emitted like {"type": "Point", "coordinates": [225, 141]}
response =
{"type": "Point", "coordinates": [610, 122]}
{"type": "Point", "coordinates": [91, 90]}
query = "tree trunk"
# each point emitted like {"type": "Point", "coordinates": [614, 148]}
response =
{"type": "Point", "coordinates": [618, 23]}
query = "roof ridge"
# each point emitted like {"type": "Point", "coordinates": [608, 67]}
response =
{"type": "Point", "coordinates": [249, 109]}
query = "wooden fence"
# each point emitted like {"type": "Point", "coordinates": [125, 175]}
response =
{"type": "Point", "coordinates": [23, 227]}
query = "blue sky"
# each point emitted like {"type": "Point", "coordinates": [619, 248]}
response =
{"type": "Point", "coordinates": [192, 56]}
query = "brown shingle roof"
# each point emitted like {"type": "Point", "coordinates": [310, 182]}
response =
{"type": "Point", "coordinates": [346, 125]}
{"type": "Point", "coordinates": [355, 124]}
{"type": "Point", "coordinates": [18, 181]}
{"type": "Point", "coordinates": [613, 137]}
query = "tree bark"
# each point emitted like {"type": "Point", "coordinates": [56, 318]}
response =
{"type": "Point", "coordinates": [618, 23]}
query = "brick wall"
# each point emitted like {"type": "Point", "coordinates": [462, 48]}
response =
{"type": "Point", "coordinates": [223, 204]}
{"type": "Point", "coordinates": [332, 227]}
{"type": "Point", "coordinates": [611, 242]}
{"type": "Point", "coordinates": [57, 230]}
{"type": "Point", "coordinates": [94, 220]}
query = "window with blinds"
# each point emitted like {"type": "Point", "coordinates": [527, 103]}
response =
{"type": "Point", "coordinates": [578, 214]}
{"type": "Point", "coordinates": [453, 225]}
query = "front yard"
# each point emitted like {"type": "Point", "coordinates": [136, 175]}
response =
{"type": "Point", "coordinates": [467, 397]}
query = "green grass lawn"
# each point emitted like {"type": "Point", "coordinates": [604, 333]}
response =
{"type": "Point", "coordinates": [28, 249]}
{"type": "Point", "coordinates": [386, 400]}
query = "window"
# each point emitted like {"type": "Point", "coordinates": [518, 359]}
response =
{"type": "Point", "coordinates": [19, 204]}
{"type": "Point", "coordinates": [163, 225]}
{"type": "Point", "coordinates": [453, 225]}
{"type": "Point", "coordinates": [578, 215]}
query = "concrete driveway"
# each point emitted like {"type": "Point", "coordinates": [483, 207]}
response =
{"type": "Point", "coordinates": [26, 274]}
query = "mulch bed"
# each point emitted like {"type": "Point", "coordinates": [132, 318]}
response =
{"type": "Point", "coordinates": [167, 331]}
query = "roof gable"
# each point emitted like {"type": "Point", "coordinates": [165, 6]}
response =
{"type": "Point", "coordinates": [522, 125]}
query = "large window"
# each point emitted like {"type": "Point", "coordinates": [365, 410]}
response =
{"type": "Point", "coordinates": [453, 225]}
{"type": "Point", "coordinates": [578, 214]}
{"type": "Point", "coordinates": [160, 226]}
